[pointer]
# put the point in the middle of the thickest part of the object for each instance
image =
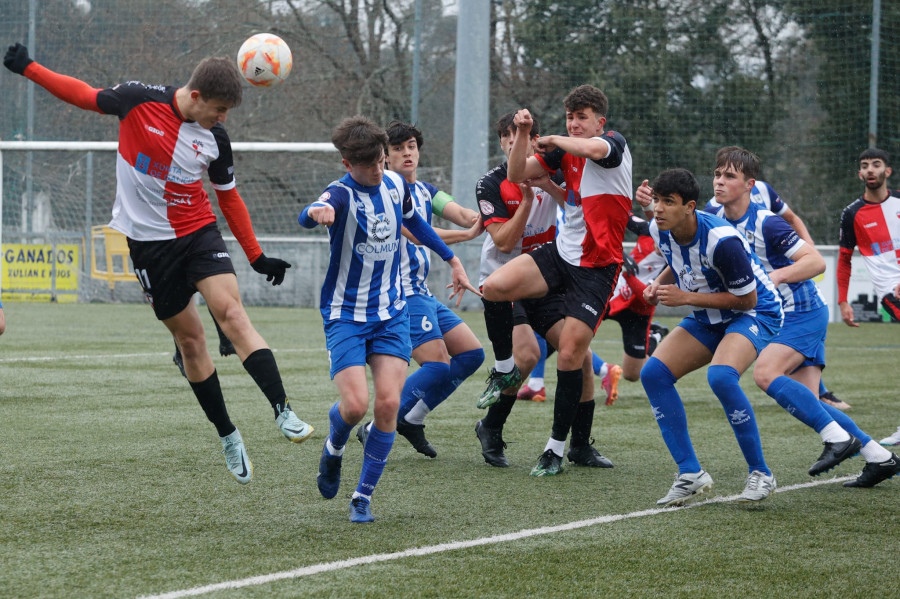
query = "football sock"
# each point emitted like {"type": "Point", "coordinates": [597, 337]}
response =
{"type": "Point", "coordinates": [498, 319]}
{"type": "Point", "coordinates": [209, 395]}
{"type": "Point", "coordinates": [822, 389]}
{"type": "Point", "coordinates": [598, 365]}
{"type": "Point", "coordinates": [568, 393]}
{"type": "Point", "coordinates": [581, 426]}
{"type": "Point", "coordinates": [847, 423]}
{"type": "Point", "coordinates": [498, 413]}
{"type": "Point", "coordinates": [462, 366]}
{"type": "Point", "coordinates": [423, 383]}
{"type": "Point", "coordinates": [504, 366]}
{"type": "Point", "coordinates": [375, 455]}
{"type": "Point", "coordinates": [801, 404]}
{"type": "Point", "coordinates": [538, 370]}
{"type": "Point", "coordinates": [558, 447]}
{"type": "Point", "coordinates": [725, 383]}
{"type": "Point", "coordinates": [536, 383]}
{"type": "Point", "coordinates": [833, 433]}
{"type": "Point", "coordinates": [264, 371]}
{"type": "Point", "coordinates": [417, 414]}
{"type": "Point", "coordinates": [874, 453]}
{"type": "Point", "coordinates": [340, 430]}
{"type": "Point", "coordinates": [659, 384]}
{"type": "Point", "coordinates": [329, 446]}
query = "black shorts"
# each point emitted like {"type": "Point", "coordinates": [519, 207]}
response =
{"type": "Point", "coordinates": [587, 290]}
{"type": "Point", "coordinates": [635, 331]}
{"type": "Point", "coordinates": [540, 313]}
{"type": "Point", "coordinates": [891, 305]}
{"type": "Point", "coordinates": [168, 270]}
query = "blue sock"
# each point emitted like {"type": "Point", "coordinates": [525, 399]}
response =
{"type": "Point", "coordinates": [846, 423]}
{"type": "Point", "coordinates": [340, 430]}
{"type": "Point", "coordinates": [538, 370]}
{"type": "Point", "coordinates": [375, 454]}
{"type": "Point", "coordinates": [462, 366]}
{"type": "Point", "coordinates": [659, 384]}
{"type": "Point", "coordinates": [822, 388]}
{"type": "Point", "coordinates": [598, 363]}
{"type": "Point", "coordinates": [422, 384]}
{"type": "Point", "coordinates": [799, 402]}
{"type": "Point", "coordinates": [725, 383]}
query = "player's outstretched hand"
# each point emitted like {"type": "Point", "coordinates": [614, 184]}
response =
{"type": "Point", "coordinates": [460, 281]}
{"type": "Point", "coordinates": [273, 268]}
{"type": "Point", "coordinates": [16, 58]}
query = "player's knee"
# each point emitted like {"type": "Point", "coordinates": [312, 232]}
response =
{"type": "Point", "coordinates": [722, 379]}
{"type": "Point", "coordinates": [763, 376]}
{"type": "Point", "coordinates": [465, 364]}
{"type": "Point", "coordinates": [656, 375]}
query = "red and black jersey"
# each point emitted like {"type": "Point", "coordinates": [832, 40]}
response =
{"type": "Point", "coordinates": [498, 200]}
{"type": "Point", "coordinates": [875, 230]}
{"type": "Point", "coordinates": [160, 164]}
{"type": "Point", "coordinates": [598, 203]}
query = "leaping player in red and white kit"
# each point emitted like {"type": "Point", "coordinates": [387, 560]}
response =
{"type": "Point", "coordinates": [168, 138]}
{"type": "Point", "coordinates": [586, 257]}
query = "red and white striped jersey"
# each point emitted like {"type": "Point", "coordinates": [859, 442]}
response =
{"type": "Point", "coordinates": [160, 162]}
{"type": "Point", "coordinates": [875, 230]}
{"type": "Point", "coordinates": [597, 205]}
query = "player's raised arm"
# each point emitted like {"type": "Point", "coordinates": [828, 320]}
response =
{"type": "Point", "coordinates": [68, 89]}
{"type": "Point", "coordinates": [521, 166]}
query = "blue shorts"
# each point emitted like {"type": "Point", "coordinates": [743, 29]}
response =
{"type": "Point", "coordinates": [429, 319]}
{"type": "Point", "coordinates": [759, 329]}
{"type": "Point", "coordinates": [350, 343]}
{"type": "Point", "coordinates": [806, 332]}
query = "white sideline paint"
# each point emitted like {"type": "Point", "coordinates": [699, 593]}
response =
{"type": "Point", "coordinates": [443, 547]}
{"type": "Point", "coordinates": [66, 358]}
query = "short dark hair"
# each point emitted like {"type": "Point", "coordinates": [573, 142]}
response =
{"type": "Point", "coordinates": [505, 125]}
{"type": "Point", "coordinates": [398, 132]}
{"type": "Point", "coordinates": [677, 181]}
{"type": "Point", "coordinates": [360, 140]}
{"type": "Point", "coordinates": [872, 153]}
{"type": "Point", "coordinates": [741, 160]}
{"type": "Point", "coordinates": [217, 78]}
{"type": "Point", "coordinates": [587, 96]}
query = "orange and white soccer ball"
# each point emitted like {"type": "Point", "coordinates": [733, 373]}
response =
{"type": "Point", "coordinates": [265, 60]}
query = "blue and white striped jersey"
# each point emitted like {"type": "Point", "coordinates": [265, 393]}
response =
{"type": "Point", "coordinates": [762, 194]}
{"type": "Point", "coordinates": [363, 278]}
{"type": "Point", "coordinates": [415, 260]}
{"type": "Point", "coordinates": [718, 260]}
{"type": "Point", "coordinates": [774, 241]}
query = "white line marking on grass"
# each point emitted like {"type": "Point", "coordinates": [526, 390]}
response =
{"type": "Point", "coordinates": [443, 547]}
{"type": "Point", "coordinates": [68, 358]}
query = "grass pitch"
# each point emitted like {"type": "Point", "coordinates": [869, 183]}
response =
{"type": "Point", "coordinates": [112, 485]}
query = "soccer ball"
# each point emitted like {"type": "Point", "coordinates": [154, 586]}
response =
{"type": "Point", "coordinates": [265, 60]}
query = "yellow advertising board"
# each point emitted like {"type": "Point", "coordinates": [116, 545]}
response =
{"type": "Point", "coordinates": [34, 271]}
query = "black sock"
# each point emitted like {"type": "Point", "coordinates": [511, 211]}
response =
{"type": "Point", "coordinates": [209, 394]}
{"type": "Point", "coordinates": [581, 426]}
{"type": "Point", "coordinates": [498, 413]}
{"type": "Point", "coordinates": [568, 394]}
{"type": "Point", "coordinates": [264, 371]}
{"type": "Point", "coordinates": [498, 319]}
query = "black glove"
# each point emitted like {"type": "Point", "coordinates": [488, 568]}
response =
{"type": "Point", "coordinates": [629, 266]}
{"type": "Point", "coordinates": [16, 58]}
{"type": "Point", "coordinates": [273, 268]}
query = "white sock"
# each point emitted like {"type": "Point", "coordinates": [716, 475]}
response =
{"type": "Point", "coordinates": [504, 365]}
{"type": "Point", "coordinates": [604, 370]}
{"type": "Point", "coordinates": [332, 450]}
{"type": "Point", "coordinates": [833, 433]}
{"type": "Point", "coordinates": [875, 453]}
{"type": "Point", "coordinates": [558, 447]}
{"type": "Point", "coordinates": [536, 383]}
{"type": "Point", "coordinates": [418, 413]}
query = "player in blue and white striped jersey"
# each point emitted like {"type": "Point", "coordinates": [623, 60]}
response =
{"type": "Point", "coordinates": [446, 349]}
{"type": "Point", "coordinates": [362, 302]}
{"type": "Point", "coordinates": [737, 311]}
{"type": "Point", "coordinates": [790, 367]}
